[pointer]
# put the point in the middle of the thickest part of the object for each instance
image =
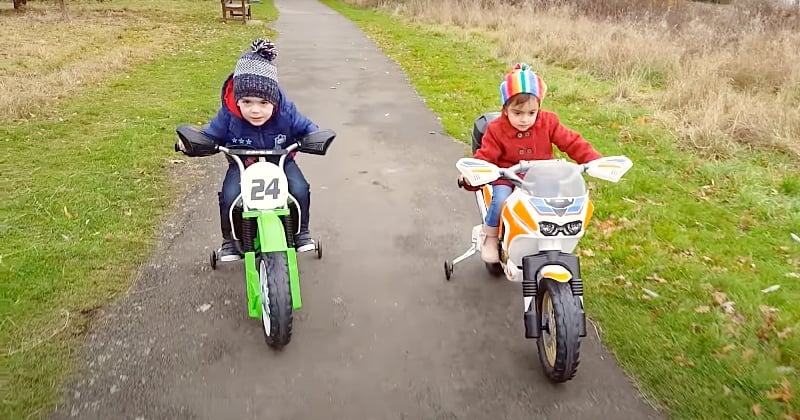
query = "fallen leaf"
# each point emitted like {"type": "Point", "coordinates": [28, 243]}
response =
{"type": "Point", "coordinates": [793, 275]}
{"type": "Point", "coordinates": [176, 161]}
{"type": "Point", "coordinates": [784, 333]}
{"type": "Point", "coordinates": [756, 409]}
{"type": "Point", "coordinates": [654, 277]}
{"type": "Point", "coordinates": [767, 326]}
{"type": "Point", "coordinates": [615, 125]}
{"type": "Point", "coordinates": [204, 307]}
{"type": "Point", "coordinates": [587, 253]}
{"type": "Point", "coordinates": [726, 390]}
{"type": "Point", "coordinates": [771, 289]}
{"type": "Point", "coordinates": [782, 394]}
{"type": "Point", "coordinates": [702, 309]}
{"type": "Point", "coordinates": [727, 349]}
{"type": "Point", "coordinates": [707, 259]}
{"type": "Point", "coordinates": [795, 237]}
{"type": "Point", "coordinates": [683, 362]}
{"type": "Point", "coordinates": [641, 120]}
{"type": "Point", "coordinates": [767, 309]}
{"type": "Point", "coordinates": [728, 307]}
{"type": "Point", "coordinates": [719, 297]}
{"type": "Point", "coordinates": [67, 213]}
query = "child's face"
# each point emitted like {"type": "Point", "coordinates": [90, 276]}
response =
{"type": "Point", "coordinates": [256, 111]}
{"type": "Point", "coordinates": [523, 115]}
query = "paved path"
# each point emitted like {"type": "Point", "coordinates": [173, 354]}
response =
{"type": "Point", "coordinates": [381, 334]}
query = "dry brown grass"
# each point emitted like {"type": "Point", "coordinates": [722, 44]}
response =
{"type": "Point", "coordinates": [45, 57]}
{"type": "Point", "coordinates": [727, 76]}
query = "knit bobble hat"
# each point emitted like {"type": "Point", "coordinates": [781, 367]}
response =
{"type": "Point", "coordinates": [522, 79]}
{"type": "Point", "coordinates": [255, 75]}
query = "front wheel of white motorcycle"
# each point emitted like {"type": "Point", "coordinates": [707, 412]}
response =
{"type": "Point", "coordinates": [559, 319]}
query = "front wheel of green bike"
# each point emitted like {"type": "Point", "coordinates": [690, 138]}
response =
{"type": "Point", "coordinates": [276, 299]}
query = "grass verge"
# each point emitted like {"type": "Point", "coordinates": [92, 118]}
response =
{"type": "Point", "coordinates": [84, 187]}
{"type": "Point", "coordinates": [682, 257]}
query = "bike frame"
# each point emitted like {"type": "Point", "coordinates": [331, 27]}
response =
{"type": "Point", "coordinates": [270, 235]}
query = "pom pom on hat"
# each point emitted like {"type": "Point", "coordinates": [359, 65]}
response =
{"type": "Point", "coordinates": [522, 79]}
{"type": "Point", "coordinates": [255, 74]}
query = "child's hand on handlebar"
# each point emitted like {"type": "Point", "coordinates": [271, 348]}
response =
{"type": "Point", "coordinates": [463, 183]}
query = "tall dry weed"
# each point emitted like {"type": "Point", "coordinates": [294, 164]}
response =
{"type": "Point", "coordinates": [728, 75]}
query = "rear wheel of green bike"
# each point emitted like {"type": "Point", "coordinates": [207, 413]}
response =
{"type": "Point", "coordinates": [276, 299]}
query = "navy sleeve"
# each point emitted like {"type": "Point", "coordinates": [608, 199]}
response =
{"type": "Point", "coordinates": [217, 128]}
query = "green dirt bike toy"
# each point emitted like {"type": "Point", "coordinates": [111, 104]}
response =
{"type": "Point", "coordinates": [264, 219]}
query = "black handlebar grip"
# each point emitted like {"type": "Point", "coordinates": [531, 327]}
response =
{"type": "Point", "coordinates": [460, 183]}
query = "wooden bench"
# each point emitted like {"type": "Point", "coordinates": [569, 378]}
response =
{"type": "Point", "coordinates": [236, 9]}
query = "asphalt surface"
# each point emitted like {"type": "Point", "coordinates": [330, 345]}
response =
{"type": "Point", "coordinates": [381, 334]}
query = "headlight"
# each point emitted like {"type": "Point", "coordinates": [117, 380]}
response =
{"type": "Point", "coordinates": [573, 228]}
{"type": "Point", "coordinates": [548, 229]}
{"type": "Point", "coordinates": [552, 229]}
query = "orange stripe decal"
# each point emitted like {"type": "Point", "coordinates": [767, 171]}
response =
{"type": "Point", "coordinates": [589, 213]}
{"type": "Point", "coordinates": [512, 226]}
{"type": "Point", "coordinates": [487, 196]}
{"type": "Point", "coordinates": [522, 212]}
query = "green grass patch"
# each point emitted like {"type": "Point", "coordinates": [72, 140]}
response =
{"type": "Point", "coordinates": [705, 236]}
{"type": "Point", "coordinates": [81, 195]}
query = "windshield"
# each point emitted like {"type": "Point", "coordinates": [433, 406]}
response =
{"type": "Point", "coordinates": [554, 178]}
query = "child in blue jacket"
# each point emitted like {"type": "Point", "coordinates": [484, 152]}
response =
{"type": "Point", "coordinates": [256, 113]}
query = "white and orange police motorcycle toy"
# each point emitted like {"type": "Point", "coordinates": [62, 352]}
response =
{"type": "Point", "coordinates": [541, 223]}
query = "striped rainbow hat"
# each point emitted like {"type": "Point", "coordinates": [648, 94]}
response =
{"type": "Point", "coordinates": [522, 79]}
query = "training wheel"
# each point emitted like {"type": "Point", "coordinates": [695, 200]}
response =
{"type": "Point", "coordinates": [318, 248]}
{"type": "Point", "coordinates": [212, 259]}
{"type": "Point", "coordinates": [448, 269]}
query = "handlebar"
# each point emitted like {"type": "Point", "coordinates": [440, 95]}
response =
{"type": "Point", "coordinates": [510, 173]}
{"type": "Point", "coordinates": [260, 152]}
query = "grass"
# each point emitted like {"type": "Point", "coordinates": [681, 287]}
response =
{"type": "Point", "coordinates": [705, 236]}
{"type": "Point", "coordinates": [724, 77]}
{"type": "Point", "coordinates": [87, 178]}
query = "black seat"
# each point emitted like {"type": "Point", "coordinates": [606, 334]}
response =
{"type": "Point", "coordinates": [479, 128]}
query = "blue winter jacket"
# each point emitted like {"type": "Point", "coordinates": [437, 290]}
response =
{"type": "Point", "coordinates": [229, 129]}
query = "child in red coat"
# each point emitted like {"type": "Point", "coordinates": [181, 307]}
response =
{"type": "Point", "coordinates": [523, 132]}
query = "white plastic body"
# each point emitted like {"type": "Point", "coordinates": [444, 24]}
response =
{"type": "Point", "coordinates": [523, 212]}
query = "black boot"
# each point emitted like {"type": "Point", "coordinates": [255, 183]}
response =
{"type": "Point", "coordinates": [229, 251]}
